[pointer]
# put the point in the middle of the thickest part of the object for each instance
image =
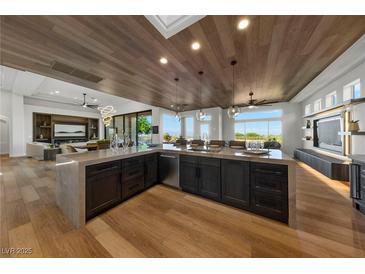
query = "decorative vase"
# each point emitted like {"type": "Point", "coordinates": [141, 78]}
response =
{"type": "Point", "coordinates": [354, 126]}
{"type": "Point", "coordinates": [114, 143]}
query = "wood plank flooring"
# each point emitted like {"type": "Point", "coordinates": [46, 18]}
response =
{"type": "Point", "coordinates": [163, 222]}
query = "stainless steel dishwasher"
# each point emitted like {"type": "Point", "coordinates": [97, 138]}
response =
{"type": "Point", "coordinates": [169, 169]}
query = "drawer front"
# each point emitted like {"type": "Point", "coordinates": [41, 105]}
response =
{"type": "Point", "coordinates": [209, 161]}
{"type": "Point", "coordinates": [151, 158]}
{"type": "Point", "coordinates": [270, 205]}
{"type": "Point", "coordinates": [274, 183]}
{"type": "Point", "coordinates": [133, 162]}
{"type": "Point", "coordinates": [132, 168]}
{"type": "Point", "coordinates": [270, 169]}
{"type": "Point", "coordinates": [131, 187]}
{"type": "Point", "coordinates": [132, 172]}
{"type": "Point", "coordinates": [188, 159]}
{"type": "Point", "coordinates": [103, 169]}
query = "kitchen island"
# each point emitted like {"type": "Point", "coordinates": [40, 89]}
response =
{"type": "Point", "coordinates": [92, 182]}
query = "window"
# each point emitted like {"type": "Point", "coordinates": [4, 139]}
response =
{"type": "Point", "coordinates": [317, 105]}
{"type": "Point", "coordinates": [144, 126]}
{"type": "Point", "coordinates": [171, 128]}
{"type": "Point", "coordinates": [255, 126]}
{"type": "Point", "coordinates": [189, 128]}
{"type": "Point", "coordinates": [352, 91]}
{"type": "Point", "coordinates": [204, 131]}
{"type": "Point", "coordinates": [137, 125]}
{"type": "Point", "coordinates": [307, 109]}
{"type": "Point", "coordinates": [331, 99]}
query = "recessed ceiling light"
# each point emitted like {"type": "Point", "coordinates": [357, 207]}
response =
{"type": "Point", "coordinates": [243, 24]}
{"type": "Point", "coordinates": [163, 60]}
{"type": "Point", "coordinates": [76, 98]}
{"type": "Point", "coordinates": [57, 91]}
{"type": "Point", "coordinates": [195, 45]}
{"type": "Point", "coordinates": [95, 100]}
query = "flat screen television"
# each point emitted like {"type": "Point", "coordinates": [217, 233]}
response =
{"type": "Point", "coordinates": [69, 131]}
{"type": "Point", "coordinates": [328, 133]}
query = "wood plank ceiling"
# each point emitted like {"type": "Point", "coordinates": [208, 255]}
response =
{"type": "Point", "coordinates": [277, 55]}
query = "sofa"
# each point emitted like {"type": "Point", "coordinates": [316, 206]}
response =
{"type": "Point", "coordinates": [36, 150]}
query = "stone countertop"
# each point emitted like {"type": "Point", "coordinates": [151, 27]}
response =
{"type": "Point", "coordinates": [358, 157]}
{"type": "Point", "coordinates": [99, 156]}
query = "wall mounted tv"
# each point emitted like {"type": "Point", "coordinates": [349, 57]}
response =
{"type": "Point", "coordinates": [69, 131]}
{"type": "Point", "coordinates": [327, 133]}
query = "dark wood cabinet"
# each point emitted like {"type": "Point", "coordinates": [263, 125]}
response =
{"type": "Point", "coordinates": [150, 170]}
{"type": "Point", "coordinates": [103, 187]}
{"type": "Point", "coordinates": [269, 190]}
{"type": "Point", "coordinates": [236, 183]}
{"type": "Point", "coordinates": [132, 176]}
{"type": "Point", "coordinates": [258, 187]}
{"type": "Point", "coordinates": [189, 174]}
{"type": "Point", "coordinates": [200, 175]}
{"type": "Point", "coordinates": [357, 185]}
{"type": "Point", "coordinates": [209, 173]}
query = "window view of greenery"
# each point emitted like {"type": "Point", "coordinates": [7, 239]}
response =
{"type": "Point", "coordinates": [144, 128]}
{"type": "Point", "coordinates": [260, 129]}
{"type": "Point", "coordinates": [171, 128]}
{"type": "Point", "coordinates": [139, 129]}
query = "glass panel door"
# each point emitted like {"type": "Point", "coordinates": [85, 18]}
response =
{"type": "Point", "coordinates": [130, 126]}
{"type": "Point", "coordinates": [119, 125]}
{"type": "Point", "coordinates": [144, 125]}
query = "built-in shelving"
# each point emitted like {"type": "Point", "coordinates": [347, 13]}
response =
{"type": "Point", "coordinates": [352, 133]}
{"type": "Point", "coordinates": [43, 124]}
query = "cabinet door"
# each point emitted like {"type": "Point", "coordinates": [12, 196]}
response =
{"type": "Point", "coordinates": [103, 187]}
{"type": "Point", "coordinates": [188, 174]}
{"type": "Point", "coordinates": [151, 167]}
{"type": "Point", "coordinates": [236, 183]}
{"type": "Point", "coordinates": [209, 178]}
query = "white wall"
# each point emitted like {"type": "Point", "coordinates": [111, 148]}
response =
{"type": "Point", "coordinates": [291, 125]}
{"type": "Point", "coordinates": [17, 144]}
{"type": "Point", "coordinates": [5, 117]}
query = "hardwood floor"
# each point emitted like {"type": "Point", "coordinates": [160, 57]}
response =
{"type": "Point", "coordinates": [163, 222]}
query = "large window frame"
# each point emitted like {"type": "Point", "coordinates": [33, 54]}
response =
{"type": "Point", "coordinates": [173, 138]}
{"type": "Point", "coordinates": [138, 113]}
{"type": "Point", "coordinates": [186, 128]}
{"type": "Point", "coordinates": [266, 120]}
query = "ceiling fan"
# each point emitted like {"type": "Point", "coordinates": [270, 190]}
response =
{"type": "Point", "coordinates": [254, 103]}
{"type": "Point", "coordinates": [87, 105]}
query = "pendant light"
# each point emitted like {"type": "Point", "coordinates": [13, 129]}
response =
{"type": "Point", "coordinates": [177, 106]}
{"type": "Point", "coordinates": [233, 110]}
{"type": "Point", "coordinates": [200, 115]}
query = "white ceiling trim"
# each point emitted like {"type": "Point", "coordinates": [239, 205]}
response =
{"type": "Point", "coordinates": [350, 59]}
{"type": "Point", "coordinates": [169, 25]}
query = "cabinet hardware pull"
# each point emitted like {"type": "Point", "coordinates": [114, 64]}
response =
{"type": "Point", "coordinates": [268, 171]}
{"type": "Point", "coordinates": [168, 156]}
{"type": "Point", "coordinates": [104, 169]}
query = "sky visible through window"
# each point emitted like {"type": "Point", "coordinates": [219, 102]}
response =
{"type": "Point", "coordinates": [189, 127]}
{"type": "Point", "coordinates": [171, 125]}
